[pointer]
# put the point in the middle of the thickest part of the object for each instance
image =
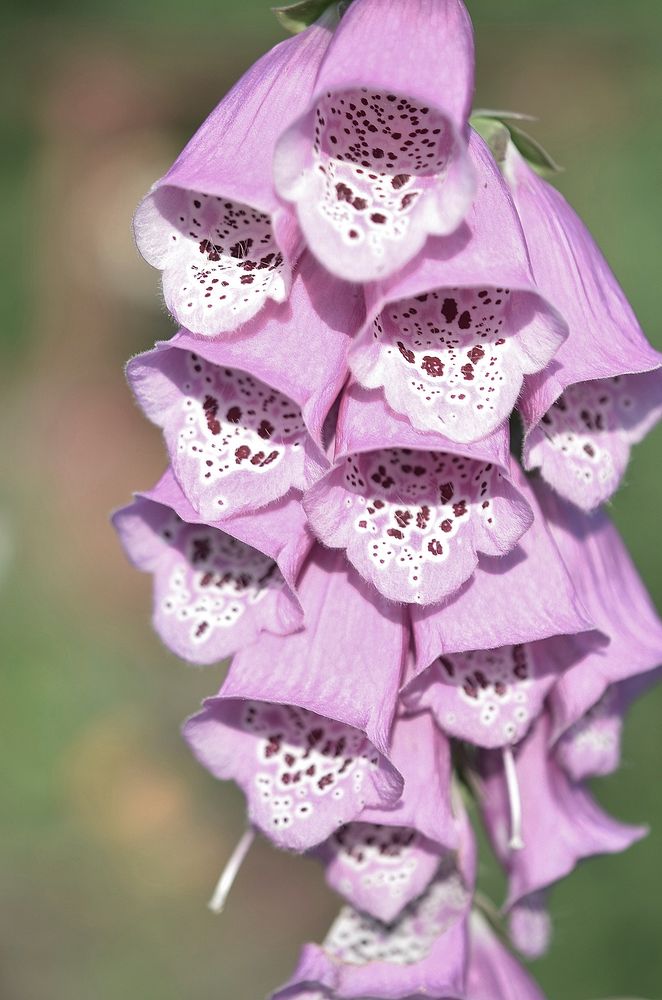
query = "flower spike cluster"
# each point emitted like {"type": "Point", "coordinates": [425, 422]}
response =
{"type": "Point", "coordinates": [365, 294]}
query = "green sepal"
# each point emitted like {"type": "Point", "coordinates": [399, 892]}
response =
{"type": "Point", "coordinates": [534, 154]}
{"type": "Point", "coordinates": [296, 17]}
{"type": "Point", "coordinates": [497, 127]}
{"type": "Point", "coordinates": [495, 133]}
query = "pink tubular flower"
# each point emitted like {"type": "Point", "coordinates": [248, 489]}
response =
{"type": "Point", "coordinates": [208, 224]}
{"type": "Point", "coordinates": [422, 953]}
{"type": "Point", "coordinates": [215, 589]}
{"type": "Point", "coordinates": [307, 742]}
{"type": "Point", "coordinates": [616, 601]}
{"type": "Point", "coordinates": [412, 510]}
{"type": "Point", "coordinates": [450, 338]}
{"type": "Point", "coordinates": [560, 822]}
{"type": "Point", "coordinates": [604, 391]}
{"type": "Point", "coordinates": [243, 417]}
{"type": "Point", "coordinates": [486, 659]}
{"type": "Point", "coordinates": [388, 858]}
{"type": "Point", "coordinates": [378, 161]}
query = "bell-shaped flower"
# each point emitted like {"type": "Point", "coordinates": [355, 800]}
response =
{"type": "Point", "coordinates": [302, 722]}
{"type": "Point", "coordinates": [386, 860]}
{"type": "Point", "coordinates": [208, 224]}
{"type": "Point", "coordinates": [451, 337]}
{"type": "Point", "coordinates": [243, 417]}
{"type": "Point", "coordinates": [215, 589]}
{"type": "Point", "coordinates": [559, 822]}
{"type": "Point", "coordinates": [591, 747]}
{"type": "Point", "coordinates": [422, 953]}
{"type": "Point", "coordinates": [617, 603]}
{"type": "Point", "coordinates": [493, 973]}
{"type": "Point", "coordinates": [486, 659]}
{"type": "Point", "coordinates": [378, 160]}
{"type": "Point", "coordinates": [413, 510]}
{"type": "Point", "coordinates": [604, 391]}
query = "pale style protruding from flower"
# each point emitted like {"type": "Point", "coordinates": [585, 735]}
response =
{"type": "Point", "coordinates": [208, 224]}
{"type": "Point", "coordinates": [243, 417]}
{"type": "Point", "coordinates": [378, 161]}
{"type": "Point", "coordinates": [303, 722]}
{"type": "Point", "coordinates": [560, 821]}
{"type": "Point", "coordinates": [603, 392]}
{"type": "Point", "coordinates": [412, 510]}
{"type": "Point", "coordinates": [215, 588]}
{"type": "Point", "coordinates": [451, 337]}
{"type": "Point", "coordinates": [386, 860]}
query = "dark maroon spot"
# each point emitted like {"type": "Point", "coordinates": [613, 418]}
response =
{"type": "Point", "coordinates": [210, 407]}
{"type": "Point", "coordinates": [435, 547]}
{"type": "Point", "coordinates": [378, 218]}
{"type": "Point", "coordinates": [468, 372]}
{"type": "Point", "coordinates": [242, 453]}
{"type": "Point", "coordinates": [460, 508]}
{"type": "Point", "coordinates": [449, 310]}
{"type": "Point", "coordinates": [265, 430]}
{"type": "Point", "coordinates": [464, 321]}
{"type": "Point", "coordinates": [475, 354]}
{"type": "Point", "coordinates": [406, 353]}
{"type": "Point", "coordinates": [446, 525]}
{"type": "Point", "coordinates": [446, 491]}
{"type": "Point", "coordinates": [399, 180]}
{"type": "Point", "coordinates": [394, 533]}
{"type": "Point", "coordinates": [432, 365]}
{"type": "Point", "coordinates": [234, 415]}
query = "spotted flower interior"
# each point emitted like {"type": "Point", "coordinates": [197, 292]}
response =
{"type": "Point", "coordinates": [448, 360]}
{"type": "Point", "coordinates": [376, 156]}
{"type": "Point", "coordinates": [379, 869]}
{"type": "Point", "coordinates": [212, 592]}
{"type": "Point", "coordinates": [356, 939]}
{"type": "Point", "coordinates": [234, 442]}
{"type": "Point", "coordinates": [219, 258]}
{"type": "Point", "coordinates": [303, 775]}
{"type": "Point", "coordinates": [582, 444]}
{"type": "Point", "coordinates": [412, 522]}
{"type": "Point", "coordinates": [489, 696]}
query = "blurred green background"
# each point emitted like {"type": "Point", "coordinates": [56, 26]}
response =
{"type": "Point", "coordinates": [112, 837]}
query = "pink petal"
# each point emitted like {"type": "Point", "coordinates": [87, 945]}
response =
{"type": "Point", "coordinates": [451, 337]}
{"type": "Point", "coordinates": [604, 391]}
{"type": "Point", "coordinates": [413, 522]}
{"type": "Point", "coordinates": [208, 224]}
{"type": "Point", "coordinates": [215, 589]}
{"type": "Point", "coordinates": [283, 710]}
{"type": "Point", "coordinates": [379, 160]}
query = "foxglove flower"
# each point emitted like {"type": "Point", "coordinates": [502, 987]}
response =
{"type": "Point", "coordinates": [451, 337]}
{"type": "Point", "coordinates": [604, 392]}
{"type": "Point", "coordinates": [616, 601]}
{"type": "Point", "coordinates": [386, 860]}
{"type": "Point", "coordinates": [487, 658]}
{"type": "Point", "coordinates": [559, 822]}
{"type": "Point", "coordinates": [423, 953]}
{"type": "Point", "coordinates": [208, 224]}
{"type": "Point", "coordinates": [378, 161]}
{"type": "Point", "coordinates": [307, 741]}
{"type": "Point", "coordinates": [215, 589]}
{"type": "Point", "coordinates": [412, 510]}
{"type": "Point", "coordinates": [243, 418]}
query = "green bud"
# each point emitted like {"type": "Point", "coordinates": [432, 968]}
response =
{"type": "Point", "coordinates": [497, 128]}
